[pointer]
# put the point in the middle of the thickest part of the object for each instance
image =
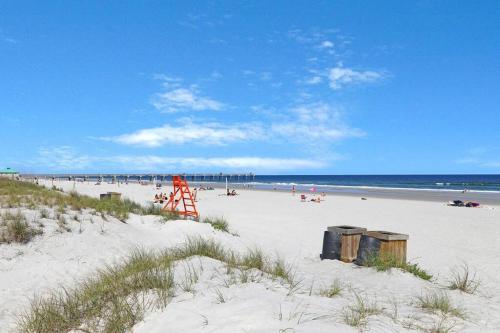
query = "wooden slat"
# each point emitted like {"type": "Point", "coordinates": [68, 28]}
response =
{"type": "Point", "coordinates": [349, 250]}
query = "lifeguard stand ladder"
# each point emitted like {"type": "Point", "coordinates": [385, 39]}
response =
{"type": "Point", "coordinates": [181, 194]}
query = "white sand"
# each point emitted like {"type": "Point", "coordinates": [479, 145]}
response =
{"type": "Point", "coordinates": [441, 238]}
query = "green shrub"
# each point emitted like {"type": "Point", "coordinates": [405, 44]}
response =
{"type": "Point", "coordinates": [386, 262]}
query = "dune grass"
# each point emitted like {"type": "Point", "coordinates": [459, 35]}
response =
{"type": "Point", "coordinates": [464, 280]}
{"type": "Point", "coordinates": [116, 298]}
{"type": "Point", "coordinates": [15, 228]}
{"type": "Point", "coordinates": [25, 194]}
{"type": "Point", "coordinates": [386, 262]}
{"type": "Point", "coordinates": [333, 290]}
{"type": "Point", "coordinates": [170, 216]}
{"type": "Point", "coordinates": [218, 223]}
{"type": "Point", "coordinates": [440, 302]}
{"type": "Point", "coordinates": [356, 315]}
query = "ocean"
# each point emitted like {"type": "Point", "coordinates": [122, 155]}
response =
{"type": "Point", "coordinates": [430, 182]}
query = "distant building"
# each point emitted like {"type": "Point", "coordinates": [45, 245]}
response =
{"type": "Point", "coordinates": [8, 172]}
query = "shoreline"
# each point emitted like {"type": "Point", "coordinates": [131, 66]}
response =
{"type": "Point", "coordinates": [431, 195]}
{"type": "Point", "coordinates": [483, 197]}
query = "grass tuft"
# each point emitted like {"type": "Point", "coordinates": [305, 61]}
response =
{"type": "Point", "coordinates": [254, 259]}
{"type": "Point", "coordinates": [356, 315]}
{"type": "Point", "coordinates": [44, 213]}
{"type": "Point", "coordinates": [218, 223]}
{"type": "Point", "coordinates": [191, 277]}
{"type": "Point", "coordinates": [219, 296]}
{"type": "Point", "coordinates": [170, 216]}
{"type": "Point", "coordinates": [16, 229]}
{"type": "Point", "coordinates": [386, 262]}
{"type": "Point", "coordinates": [440, 302]}
{"type": "Point", "coordinates": [464, 280]}
{"type": "Point", "coordinates": [335, 289]}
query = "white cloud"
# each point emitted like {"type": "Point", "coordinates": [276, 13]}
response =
{"type": "Point", "coordinates": [207, 134]}
{"type": "Point", "coordinates": [166, 78]}
{"type": "Point", "coordinates": [341, 76]}
{"type": "Point", "coordinates": [317, 124]}
{"type": "Point", "coordinates": [10, 40]}
{"type": "Point", "coordinates": [313, 80]}
{"type": "Point", "coordinates": [479, 162]}
{"type": "Point", "coordinates": [178, 99]}
{"type": "Point", "coordinates": [326, 44]}
{"type": "Point", "coordinates": [266, 76]}
{"type": "Point", "coordinates": [7, 39]}
{"type": "Point", "coordinates": [63, 158]}
{"type": "Point", "coordinates": [306, 123]}
{"type": "Point", "coordinates": [481, 157]}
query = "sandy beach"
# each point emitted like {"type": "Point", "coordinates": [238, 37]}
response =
{"type": "Point", "coordinates": [442, 238]}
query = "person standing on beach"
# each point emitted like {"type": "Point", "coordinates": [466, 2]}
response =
{"type": "Point", "coordinates": [293, 190]}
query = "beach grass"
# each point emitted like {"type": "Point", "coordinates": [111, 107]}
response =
{"type": "Point", "coordinates": [116, 297]}
{"type": "Point", "coordinates": [218, 223]}
{"type": "Point", "coordinates": [333, 290]}
{"type": "Point", "coordinates": [25, 194]}
{"type": "Point", "coordinates": [15, 228]}
{"type": "Point", "coordinates": [386, 262]}
{"type": "Point", "coordinates": [356, 315]}
{"type": "Point", "coordinates": [464, 280]}
{"type": "Point", "coordinates": [440, 302]}
{"type": "Point", "coordinates": [191, 277]}
{"type": "Point", "coordinates": [170, 216]}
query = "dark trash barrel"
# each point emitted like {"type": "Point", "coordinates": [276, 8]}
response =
{"type": "Point", "coordinates": [349, 240]}
{"type": "Point", "coordinates": [331, 245]}
{"type": "Point", "coordinates": [368, 248]}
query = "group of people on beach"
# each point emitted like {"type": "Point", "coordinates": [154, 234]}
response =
{"type": "Point", "coordinates": [231, 193]}
{"type": "Point", "coordinates": [162, 197]}
{"type": "Point", "coordinates": [318, 198]}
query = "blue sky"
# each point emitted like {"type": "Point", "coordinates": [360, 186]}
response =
{"type": "Point", "coordinates": [283, 87]}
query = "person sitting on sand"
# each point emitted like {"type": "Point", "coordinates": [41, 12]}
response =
{"type": "Point", "coordinates": [317, 200]}
{"type": "Point", "coordinates": [157, 198]}
{"type": "Point", "coordinates": [233, 192]}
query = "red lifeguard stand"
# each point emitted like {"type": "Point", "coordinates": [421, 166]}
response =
{"type": "Point", "coordinates": [181, 193]}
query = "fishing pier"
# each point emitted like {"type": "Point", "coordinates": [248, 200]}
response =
{"type": "Point", "coordinates": [149, 177]}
